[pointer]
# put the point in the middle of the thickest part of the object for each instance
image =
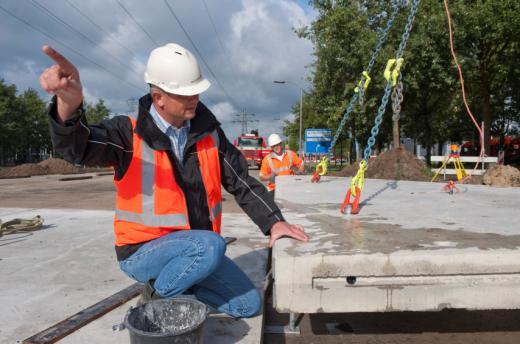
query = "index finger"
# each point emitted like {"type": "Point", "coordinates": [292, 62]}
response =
{"type": "Point", "coordinates": [64, 64]}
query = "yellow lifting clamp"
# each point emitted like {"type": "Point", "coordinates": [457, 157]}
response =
{"type": "Point", "coordinates": [459, 167]}
{"type": "Point", "coordinates": [321, 170]}
{"type": "Point", "coordinates": [365, 84]}
{"type": "Point", "coordinates": [356, 186]}
{"type": "Point", "coordinates": [396, 64]}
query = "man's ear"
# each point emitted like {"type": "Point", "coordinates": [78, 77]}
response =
{"type": "Point", "coordinates": [158, 98]}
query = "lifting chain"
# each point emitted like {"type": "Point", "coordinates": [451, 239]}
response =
{"type": "Point", "coordinates": [397, 100]}
{"type": "Point", "coordinates": [389, 85]}
{"type": "Point", "coordinates": [359, 95]}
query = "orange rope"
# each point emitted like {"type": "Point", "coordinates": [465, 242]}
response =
{"type": "Point", "coordinates": [461, 77]}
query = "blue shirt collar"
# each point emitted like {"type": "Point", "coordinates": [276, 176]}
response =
{"type": "Point", "coordinates": [162, 124]}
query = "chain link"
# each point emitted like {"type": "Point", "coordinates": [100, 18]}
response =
{"type": "Point", "coordinates": [397, 99]}
{"type": "Point", "coordinates": [384, 101]}
{"type": "Point", "coordinates": [360, 95]}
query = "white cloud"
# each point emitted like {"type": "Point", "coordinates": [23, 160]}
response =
{"type": "Point", "coordinates": [224, 111]}
{"type": "Point", "coordinates": [259, 46]}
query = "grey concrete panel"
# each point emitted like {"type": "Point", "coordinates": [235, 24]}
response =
{"type": "Point", "coordinates": [412, 247]}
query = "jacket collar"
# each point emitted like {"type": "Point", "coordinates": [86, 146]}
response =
{"type": "Point", "coordinates": [201, 125]}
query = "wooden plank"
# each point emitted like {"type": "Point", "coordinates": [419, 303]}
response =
{"type": "Point", "coordinates": [85, 316]}
{"type": "Point", "coordinates": [477, 172]}
{"type": "Point", "coordinates": [489, 159]}
{"type": "Point", "coordinates": [74, 178]}
{"type": "Point", "coordinates": [14, 177]}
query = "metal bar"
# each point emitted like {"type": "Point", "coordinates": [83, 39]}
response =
{"type": "Point", "coordinates": [65, 327]}
{"type": "Point", "coordinates": [288, 329]}
{"type": "Point", "coordinates": [85, 316]}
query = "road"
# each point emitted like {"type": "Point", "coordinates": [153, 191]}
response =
{"type": "Point", "coordinates": [449, 326]}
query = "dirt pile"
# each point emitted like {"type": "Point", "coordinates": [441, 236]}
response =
{"type": "Point", "coordinates": [502, 176]}
{"type": "Point", "coordinates": [58, 166]}
{"type": "Point", "coordinates": [49, 166]}
{"type": "Point", "coordinates": [396, 164]}
{"type": "Point", "coordinates": [23, 170]}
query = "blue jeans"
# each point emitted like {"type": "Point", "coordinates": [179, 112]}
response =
{"type": "Point", "coordinates": [195, 260]}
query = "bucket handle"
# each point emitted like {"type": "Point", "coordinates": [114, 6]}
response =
{"type": "Point", "coordinates": [118, 327]}
{"type": "Point", "coordinates": [121, 326]}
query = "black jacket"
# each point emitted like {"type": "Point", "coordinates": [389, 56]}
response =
{"type": "Point", "coordinates": [110, 144]}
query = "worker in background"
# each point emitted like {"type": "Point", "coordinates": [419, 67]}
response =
{"type": "Point", "coordinates": [280, 162]}
{"type": "Point", "coordinates": [170, 161]}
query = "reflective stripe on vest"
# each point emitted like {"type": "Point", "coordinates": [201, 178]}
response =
{"type": "Point", "coordinates": [149, 201]}
{"type": "Point", "coordinates": [281, 169]}
{"type": "Point", "coordinates": [148, 216]}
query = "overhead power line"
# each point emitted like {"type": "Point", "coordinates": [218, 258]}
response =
{"type": "Point", "coordinates": [137, 23]}
{"type": "Point", "coordinates": [79, 33]}
{"type": "Point", "coordinates": [198, 52]}
{"type": "Point", "coordinates": [224, 51]}
{"type": "Point", "coordinates": [35, 28]}
{"type": "Point", "coordinates": [244, 118]}
{"type": "Point", "coordinates": [87, 17]}
{"type": "Point", "coordinates": [215, 29]}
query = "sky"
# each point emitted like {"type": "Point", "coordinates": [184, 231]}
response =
{"type": "Point", "coordinates": [242, 46]}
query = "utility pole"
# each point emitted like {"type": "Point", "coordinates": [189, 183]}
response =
{"type": "Point", "coordinates": [244, 117]}
{"type": "Point", "coordinates": [132, 104]}
{"type": "Point", "coordinates": [300, 142]}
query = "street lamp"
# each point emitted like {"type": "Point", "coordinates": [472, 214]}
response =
{"type": "Point", "coordinates": [301, 112]}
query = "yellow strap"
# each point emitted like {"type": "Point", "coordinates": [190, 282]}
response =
{"type": "Point", "coordinates": [321, 167]}
{"type": "Point", "coordinates": [365, 84]}
{"type": "Point", "coordinates": [392, 70]}
{"type": "Point", "coordinates": [359, 178]}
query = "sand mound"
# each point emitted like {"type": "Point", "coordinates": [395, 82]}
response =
{"type": "Point", "coordinates": [396, 164]}
{"type": "Point", "coordinates": [58, 166]}
{"type": "Point", "coordinates": [502, 176]}
{"type": "Point", "coordinates": [23, 170]}
{"type": "Point", "coordinates": [49, 166]}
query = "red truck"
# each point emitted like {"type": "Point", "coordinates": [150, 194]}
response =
{"type": "Point", "coordinates": [253, 147]}
{"type": "Point", "coordinates": [511, 149]}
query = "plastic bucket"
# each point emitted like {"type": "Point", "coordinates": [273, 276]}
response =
{"type": "Point", "coordinates": [167, 321]}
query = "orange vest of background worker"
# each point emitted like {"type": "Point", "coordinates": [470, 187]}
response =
{"type": "Point", "coordinates": [150, 204]}
{"type": "Point", "coordinates": [280, 162]}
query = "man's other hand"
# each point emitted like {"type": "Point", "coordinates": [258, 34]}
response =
{"type": "Point", "coordinates": [284, 229]}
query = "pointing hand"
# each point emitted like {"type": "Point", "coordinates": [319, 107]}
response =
{"type": "Point", "coordinates": [63, 80]}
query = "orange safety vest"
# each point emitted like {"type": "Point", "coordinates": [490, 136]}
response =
{"type": "Point", "coordinates": [149, 202]}
{"type": "Point", "coordinates": [281, 168]}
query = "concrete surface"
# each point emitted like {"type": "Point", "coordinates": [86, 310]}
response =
{"type": "Point", "coordinates": [51, 274]}
{"type": "Point", "coordinates": [412, 248]}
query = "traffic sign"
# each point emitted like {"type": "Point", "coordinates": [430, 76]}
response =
{"type": "Point", "coordinates": [317, 141]}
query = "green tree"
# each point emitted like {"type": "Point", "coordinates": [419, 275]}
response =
{"type": "Point", "coordinates": [7, 119]}
{"type": "Point", "coordinates": [487, 44]}
{"type": "Point", "coordinates": [23, 122]}
{"type": "Point", "coordinates": [97, 112]}
{"type": "Point", "coordinates": [32, 123]}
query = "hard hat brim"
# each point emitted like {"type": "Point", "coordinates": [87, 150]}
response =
{"type": "Point", "coordinates": [191, 90]}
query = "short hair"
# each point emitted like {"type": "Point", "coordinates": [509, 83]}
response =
{"type": "Point", "coordinates": [155, 88]}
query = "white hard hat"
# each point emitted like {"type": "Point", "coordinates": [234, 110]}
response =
{"type": "Point", "coordinates": [175, 70]}
{"type": "Point", "coordinates": [273, 140]}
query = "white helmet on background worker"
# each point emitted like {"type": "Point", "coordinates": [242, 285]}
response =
{"type": "Point", "coordinates": [175, 70]}
{"type": "Point", "coordinates": [273, 140]}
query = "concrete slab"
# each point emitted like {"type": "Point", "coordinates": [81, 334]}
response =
{"type": "Point", "coordinates": [412, 247]}
{"type": "Point", "coordinates": [70, 264]}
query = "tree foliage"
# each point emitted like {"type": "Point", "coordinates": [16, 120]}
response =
{"type": "Point", "coordinates": [24, 124]}
{"type": "Point", "coordinates": [97, 112]}
{"type": "Point", "coordinates": [487, 44]}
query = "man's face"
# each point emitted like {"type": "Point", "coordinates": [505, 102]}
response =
{"type": "Point", "coordinates": [277, 148]}
{"type": "Point", "coordinates": [182, 106]}
{"type": "Point", "coordinates": [178, 107]}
